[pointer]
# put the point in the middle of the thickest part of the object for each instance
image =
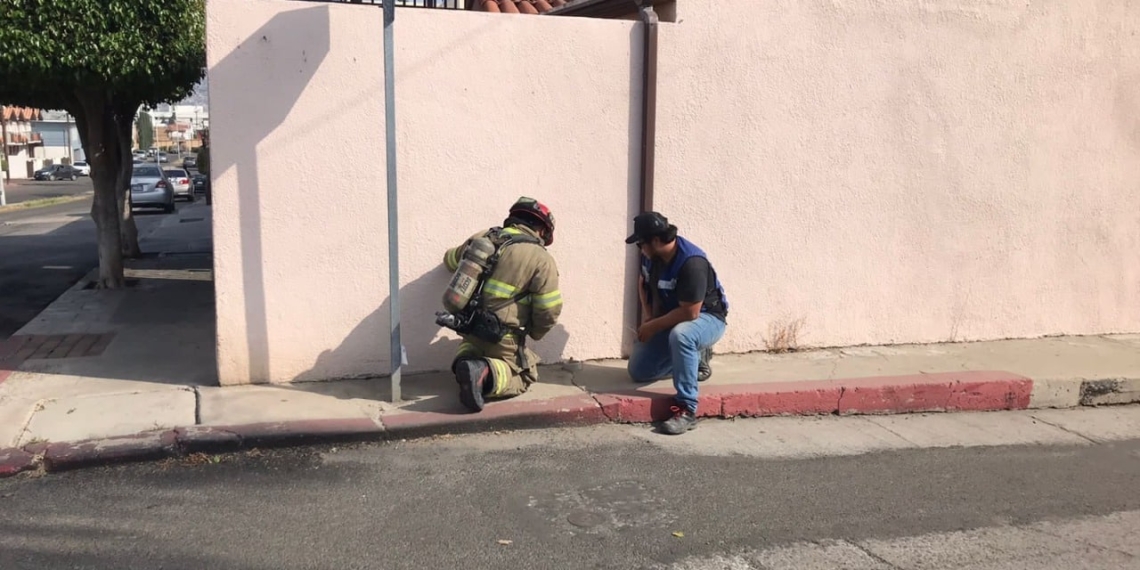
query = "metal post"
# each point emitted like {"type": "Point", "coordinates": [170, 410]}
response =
{"type": "Point", "coordinates": [393, 229]}
{"type": "Point", "coordinates": [4, 149]}
{"type": "Point", "coordinates": [67, 129]}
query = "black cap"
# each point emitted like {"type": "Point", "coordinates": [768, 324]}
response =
{"type": "Point", "coordinates": [648, 225]}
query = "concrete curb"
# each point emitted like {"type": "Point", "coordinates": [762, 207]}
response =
{"type": "Point", "coordinates": [181, 442]}
{"type": "Point", "coordinates": [509, 414]}
{"type": "Point", "coordinates": [45, 202]}
{"type": "Point", "coordinates": [944, 392]}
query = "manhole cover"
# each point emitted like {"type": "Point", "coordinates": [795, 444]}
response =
{"type": "Point", "coordinates": [604, 509]}
{"type": "Point", "coordinates": [585, 519]}
{"type": "Point", "coordinates": [187, 220]}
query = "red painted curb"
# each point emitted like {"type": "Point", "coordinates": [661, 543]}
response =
{"type": "Point", "coordinates": [141, 447]}
{"type": "Point", "coordinates": [506, 414]}
{"type": "Point", "coordinates": [652, 405]}
{"type": "Point", "coordinates": [951, 391]}
{"type": "Point", "coordinates": [276, 434]}
{"type": "Point", "coordinates": [13, 461]}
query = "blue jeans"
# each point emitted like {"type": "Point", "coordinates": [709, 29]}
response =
{"type": "Point", "coordinates": [676, 353]}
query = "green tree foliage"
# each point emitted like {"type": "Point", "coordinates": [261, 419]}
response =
{"type": "Point", "coordinates": [146, 130]}
{"type": "Point", "coordinates": [100, 60]}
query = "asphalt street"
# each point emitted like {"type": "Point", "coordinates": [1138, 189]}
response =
{"type": "Point", "coordinates": [770, 493]}
{"type": "Point", "coordinates": [43, 252]}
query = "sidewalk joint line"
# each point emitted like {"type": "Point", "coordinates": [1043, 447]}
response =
{"type": "Point", "coordinates": [1065, 429]}
{"type": "Point", "coordinates": [872, 555]}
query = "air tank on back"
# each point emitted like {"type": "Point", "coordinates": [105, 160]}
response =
{"type": "Point", "coordinates": [466, 277]}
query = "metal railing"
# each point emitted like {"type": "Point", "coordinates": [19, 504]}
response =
{"type": "Point", "coordinates": [440, 4]}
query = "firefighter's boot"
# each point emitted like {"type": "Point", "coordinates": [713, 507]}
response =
{"type": "Point", "coordinates": [471, 374]}
{"type": "Point", "coordinates": [704, 367]}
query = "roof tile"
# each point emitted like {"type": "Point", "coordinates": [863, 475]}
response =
{"type": "Point", "coordinates": [518, 6]}
{"type": "Point", "coordinates": [12, 113]}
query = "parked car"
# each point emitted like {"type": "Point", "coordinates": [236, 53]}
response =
{"type": "Point", "coordinates": [83, 168]}
{"type": "Point", "coordinates": [151, 188]}
{"type": "Point", "coordinates": [180, 180]}
{"type": "Point", "coordinates": [162, 157]}
{"type": "Point", "coordinates": [190, 162]}
{"type": "Point", "coordinates": [57, 172]}
{"type": "Point", "coordinates": [199, 182]}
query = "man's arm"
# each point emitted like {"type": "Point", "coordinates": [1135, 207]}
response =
{"type": "Point", "coordinates": [646, 308]}
{"type": "Point", "coordinates": [692, 282]}
{"type": "Point", "coordinates": [545, 299]}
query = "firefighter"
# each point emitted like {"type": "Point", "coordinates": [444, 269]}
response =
{"type": "Point", "coordinates": [522, 293]}
{"type": "Point", "coordinates": [683, 314]}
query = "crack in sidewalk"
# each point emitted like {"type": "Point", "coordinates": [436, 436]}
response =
{"type": "Point", "coordinates": [872, 555]}
{"type": "Point", "coordinates": [871, 420]}
{"type": "Point", "coordinates": [37, 407]}
{"type": "Point", "coordinates": [593, 396]}
{"type": "Point", "coordinates": [1066, 430]}
{"type": "Point", "coordinates": [1035, 528]}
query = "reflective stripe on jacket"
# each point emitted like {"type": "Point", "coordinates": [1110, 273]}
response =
{"type": "Point", "coordinates": [523, 268]}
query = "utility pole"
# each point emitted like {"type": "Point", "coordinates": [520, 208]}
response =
{"type": "Point", "coordinates": [4, 151]}
{"type": "Point", "coordinates": [67, 124]}
{"type": "Point", "coordinates": [397, 348]}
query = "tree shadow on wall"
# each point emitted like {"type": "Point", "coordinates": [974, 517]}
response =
{"type": "Point", "coordinates": [429, 350]}
{"type": "Point", "coordinates": [271, 69]}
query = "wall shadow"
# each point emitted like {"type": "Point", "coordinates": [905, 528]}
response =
{"type": "Point", "coordinates": [429, 351]}
{"type": "Point", "coordinates": [292, 45]}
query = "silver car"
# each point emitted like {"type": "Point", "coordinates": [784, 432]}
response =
{"type": "Point", "coordinates": [180, 179]}
{"type": "Point", "coordinates": [150, 187]}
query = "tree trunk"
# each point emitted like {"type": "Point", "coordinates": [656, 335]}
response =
{"type": "Point", "coordinates": [129, 233]}
{"type": "Point", "coordinates": [101, 139]}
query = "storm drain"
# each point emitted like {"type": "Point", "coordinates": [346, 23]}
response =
{"type": "Point", "coordinates": [52, 346]}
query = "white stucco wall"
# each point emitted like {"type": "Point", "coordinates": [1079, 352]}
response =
{"type": "Point", "coordinates": [961, 170]}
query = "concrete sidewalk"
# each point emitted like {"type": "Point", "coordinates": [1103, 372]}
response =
{"type": "Point", "coordinates": [104, 376]}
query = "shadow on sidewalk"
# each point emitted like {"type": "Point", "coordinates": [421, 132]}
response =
{"type": "Point", "coordinates": [161, 330]}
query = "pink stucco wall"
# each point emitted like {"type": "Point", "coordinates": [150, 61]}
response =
{"type": "Point", "coordinates": [965, 170]}
{"type": "Point", "coordinates": [489, 108]}
{"type": "Point", "coordinates": [909, 172]}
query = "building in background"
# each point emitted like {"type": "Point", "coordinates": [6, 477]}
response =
{"type": "Point", "coordinates": [60, 136]}
{"type": "Point", "coordinates": [20, 141]}
{"type": "Point", "coordinates": [177, 127]}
